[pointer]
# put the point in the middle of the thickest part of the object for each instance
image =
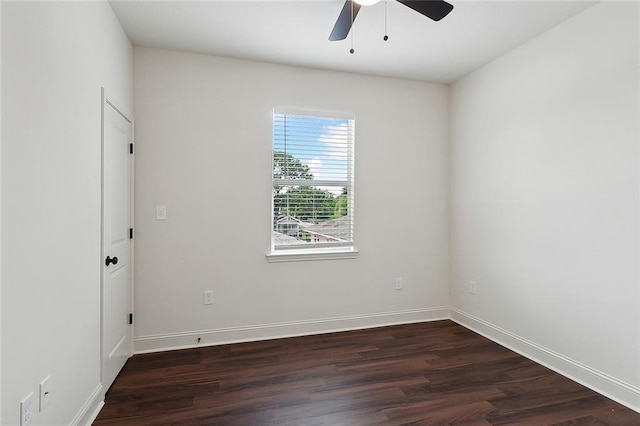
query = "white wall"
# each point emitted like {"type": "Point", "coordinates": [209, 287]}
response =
{"type": "Point", "coordinates": [203, 137]}
{"type": "Point", "coordinates": [55, 58]}
{"type": "Point", "coordinates": [545, 199]}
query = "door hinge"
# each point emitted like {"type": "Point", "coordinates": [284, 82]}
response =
{"type": "Point", "coordinates": [130, 148]}
{"type": "Point", "coordinates": [131, 233]}
{"type": "Point", "coordinates": [131, 319]}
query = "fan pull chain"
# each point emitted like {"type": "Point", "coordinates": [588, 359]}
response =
{"type": "Point", "coordinates": [386, 37]}
{"type": "Point", "coordinates": [352, 51]}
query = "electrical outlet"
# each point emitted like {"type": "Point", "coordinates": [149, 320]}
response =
{"type": "Point", "coordinates": [473, 287]}
{"type": "Point", "coordinates": [45, 392]}
{"type": "Point", "coordinates": [399, 283]}
{"type": "Point", "coordinates": [208, 297]}
{"type": "Point", "coordinates": [26, 410]}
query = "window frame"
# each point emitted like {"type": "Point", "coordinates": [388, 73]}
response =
{"type": "Point", "coordinates": [317, 251]}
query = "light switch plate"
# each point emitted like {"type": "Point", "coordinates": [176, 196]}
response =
{"type": "Point", "coordinates": [161, 212]}
{"type": "Point", "coordinates": [45, 392]}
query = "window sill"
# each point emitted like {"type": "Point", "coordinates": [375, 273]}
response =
{"type": "Point", "coordinates": [300, 256]}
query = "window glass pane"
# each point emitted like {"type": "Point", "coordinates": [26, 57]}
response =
{"type": "Point", "coordinates": [312, 181]}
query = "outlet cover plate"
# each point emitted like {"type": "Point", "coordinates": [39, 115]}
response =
{"type": "Point", "coordinates": [26, 410]}
{"type": "Point", "coordinates": [399, 283]}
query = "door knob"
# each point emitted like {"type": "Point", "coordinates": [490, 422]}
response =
{"type": "Point", "coordinates": [109, 260]}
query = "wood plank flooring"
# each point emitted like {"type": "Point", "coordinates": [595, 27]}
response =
{"type": "Point", "coordinates": [435, 373]}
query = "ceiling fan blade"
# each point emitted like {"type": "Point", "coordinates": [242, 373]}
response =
{"type": "Point", "coordinates": [434, 9]}
{"type": "Point", "coordinates": [343, 24]}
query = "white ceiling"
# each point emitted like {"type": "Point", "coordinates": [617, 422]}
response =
{"type": "Point", "coordinates": [296, 32]}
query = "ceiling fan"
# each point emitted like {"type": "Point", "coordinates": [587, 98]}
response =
{"type": "Point", "coordinates": [433, 9]}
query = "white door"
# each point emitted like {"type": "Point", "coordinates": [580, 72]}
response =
{"type": "Point", "coordinates": [116, 242]}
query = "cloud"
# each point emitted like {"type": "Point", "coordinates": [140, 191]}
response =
{"type": "Point", "coordinates": [321, 172]}
{"type": "Point", "coordinates": [315, 165]}
{"type": "Point", "coordinates": [332, 138]}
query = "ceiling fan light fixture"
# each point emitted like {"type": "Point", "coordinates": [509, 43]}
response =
{"type": "Point", "coordinates": [366, 2]}
{"type": "Point", "coordinates": [432, 9]}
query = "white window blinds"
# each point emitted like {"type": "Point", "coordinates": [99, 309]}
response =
{"type": "Point", "coordinates": [312, 181]}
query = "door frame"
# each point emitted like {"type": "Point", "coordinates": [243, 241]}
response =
{"type": "Point", "coordinates": [108, 101]}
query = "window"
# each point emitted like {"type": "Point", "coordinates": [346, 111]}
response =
{"type": "Point", "coordinates": [312, 184]}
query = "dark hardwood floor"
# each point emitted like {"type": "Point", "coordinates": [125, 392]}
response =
{"type": "Point", "coordinates": [434, 373]}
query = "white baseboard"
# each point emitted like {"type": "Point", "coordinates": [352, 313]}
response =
{"type": "Point", "coordinates": [90, 409]}
{"type": "Point", "coordinates": [221, 336]}
{"type": "Point", "coordinates": [600, 382]}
